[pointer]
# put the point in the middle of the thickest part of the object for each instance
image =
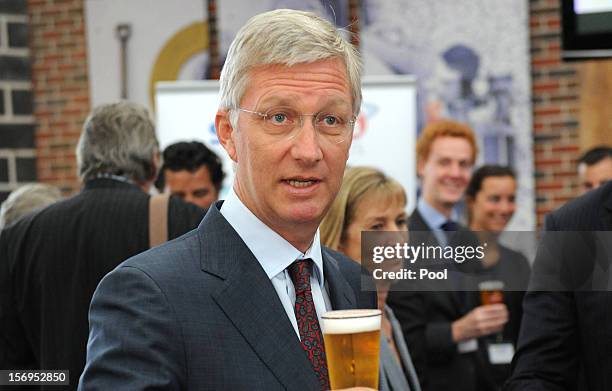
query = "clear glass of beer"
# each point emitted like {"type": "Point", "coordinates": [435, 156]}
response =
{"type": "Point", "coordinates": [491, 292]}
{"type": "Point", "coordinates": [352, 347]}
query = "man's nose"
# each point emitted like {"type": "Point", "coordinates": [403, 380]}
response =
{"type": "Point", "coordinates": [455, 169]}
{"type": "Point", "coordinates": [306, 143]}
{"type": "Point", "coordinates": [188, 198]}
{"type": "Point", "coordinates": [508, 207]}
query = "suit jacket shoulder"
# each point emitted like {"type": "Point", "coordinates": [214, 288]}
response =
{"type": "Point", "coordinates": [590, 212]}
{"type": "Point", "coordinates": [416, 222]}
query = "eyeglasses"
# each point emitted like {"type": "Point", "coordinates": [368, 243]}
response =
{"type": "Point", "coordinates": [283, 122]}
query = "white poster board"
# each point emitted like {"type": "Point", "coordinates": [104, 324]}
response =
{"type": "Point", "coordinates": [384, 136]}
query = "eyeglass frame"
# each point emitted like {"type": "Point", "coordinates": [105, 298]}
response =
{"type": "Point", "coordinates": [351, 122]}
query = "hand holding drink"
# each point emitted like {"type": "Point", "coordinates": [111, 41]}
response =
{"type": "Point", "coordinates": [492, 292]}
{"type": "Point", "coordinates": [487, 319]}
{"type": "Point", "coordinates": [352, 347]}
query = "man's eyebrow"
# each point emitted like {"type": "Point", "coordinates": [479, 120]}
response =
{"type": "Point", "coordinates": [339, 103]}
{"type": "Point", "coordinates": [290, 101]}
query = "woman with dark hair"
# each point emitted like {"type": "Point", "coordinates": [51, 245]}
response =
{"type": "Point", "coordinates": [491, 202]}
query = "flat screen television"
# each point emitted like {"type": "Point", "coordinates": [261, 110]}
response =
{"type": "Point", "coordinates": [587, 29]}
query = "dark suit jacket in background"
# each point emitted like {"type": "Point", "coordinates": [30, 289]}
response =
{"type": "Point", "coordinates": [566, 336]}
{"type": "Point", "coordinates": [512, 268]}
{"type": "Point", "coordinates": [200, 313]}
{"type": "Point", "coordinates": [51, 262]}
{"type": "Point", "coordinates": [426, 315]}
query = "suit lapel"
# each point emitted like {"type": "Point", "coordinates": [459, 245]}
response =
{"type": "Point", "coordinates": [341, 294]}
{"type": "Point", "coordinates": [423, 233]}
{"type": "Point", "coordinates": [251, 303]}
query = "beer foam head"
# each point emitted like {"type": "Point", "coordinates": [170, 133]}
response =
{"type": "Point", "coordinates": [350, 321]}
{"type": "Point", "coordinates": [491, 286]}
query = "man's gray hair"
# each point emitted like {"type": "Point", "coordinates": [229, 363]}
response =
{"type": "Point", "coordinates": [286, 37]}
{"type": "Point", "coordinates": [25, 200]}
{"type": "Point", "coordinates": [118, 138]}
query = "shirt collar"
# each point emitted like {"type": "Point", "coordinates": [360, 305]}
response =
{"type": "Point", "coordinates": [109, 183]}
{"type": "Point", "coordinates": [272, 251]}
{"type": "Point", "coordinates": [432, 216]}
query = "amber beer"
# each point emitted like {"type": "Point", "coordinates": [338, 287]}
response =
{"type": "Point", "coordinates": [352, 347]}
{"type": "Point", "coordinates": [491, 292]}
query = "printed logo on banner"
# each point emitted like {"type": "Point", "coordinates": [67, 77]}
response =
{"type": "Point", "coordinates": [368, 110]}
{"type": "Point", "coordinates": [212, 134]}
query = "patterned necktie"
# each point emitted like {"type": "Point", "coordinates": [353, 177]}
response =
{"type": "Point", "coordinates": [311, 336]}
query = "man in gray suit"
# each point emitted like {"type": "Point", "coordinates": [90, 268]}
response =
{"type": "Point", "coordinates": [235, 304]}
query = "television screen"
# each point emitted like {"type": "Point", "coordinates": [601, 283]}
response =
{"type": "Point", "coordinates": [587, 29]}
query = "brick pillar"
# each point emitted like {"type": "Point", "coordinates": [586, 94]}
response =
{"type": "Point", "coordinates": [555, 94]}
{"type": "Point", "coordinates": [17, 147]}
{"type": "Point", "coordinates": [60, 86]}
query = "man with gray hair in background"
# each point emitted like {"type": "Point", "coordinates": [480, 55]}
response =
{"type": "Point", "coordinates": [235, 305]}
{"type": "Point", "coordinates": [27, 199]}
{"type": "Point", "coordinates": [51, 261]}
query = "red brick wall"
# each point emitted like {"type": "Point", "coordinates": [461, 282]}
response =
{"type": "Point", "coordinates": [17, 134]}
{"type": "Point", "coordinates": [555, 95]}
{"type": "Point", "coordinates": [60, 86]}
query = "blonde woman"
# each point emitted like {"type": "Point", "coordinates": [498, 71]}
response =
{"type": "Point", "coordinates": [370, 201]}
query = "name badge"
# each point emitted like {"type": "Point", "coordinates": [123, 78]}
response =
{"type": "Point", "coordinates": [471, 345]}
{"type": "Point", "coordinates": [500, 353]}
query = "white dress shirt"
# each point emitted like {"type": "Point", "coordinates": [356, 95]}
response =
{"type": "Point", "coordinates": [275, 254]}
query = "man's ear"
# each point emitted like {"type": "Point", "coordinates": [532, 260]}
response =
{"type": "Point", "coordinates": [145, 184]}
{"type": "Point", "coordinates": [225, 133]}
{"type": "Point", "coordinates": [420, 166]}
{"type": "Point", "coordinates": [156, 164]}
